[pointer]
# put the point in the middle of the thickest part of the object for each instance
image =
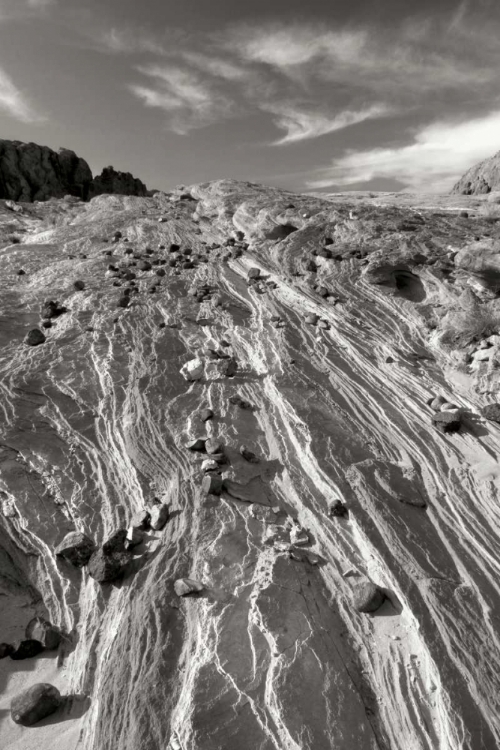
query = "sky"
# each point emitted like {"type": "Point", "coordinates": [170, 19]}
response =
{"type": "Point", "coordinates": [316, 95]}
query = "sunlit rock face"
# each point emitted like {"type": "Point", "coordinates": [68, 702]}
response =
{"type": "Point", "coordinates": [481, 178]}
{"type": "Point", "coordinates": [345, 564]}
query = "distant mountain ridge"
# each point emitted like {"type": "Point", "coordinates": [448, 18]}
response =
{"type": "Point", "coordinates": [29, 172]}
{"type": "Point", "coordinates": [480, 179]}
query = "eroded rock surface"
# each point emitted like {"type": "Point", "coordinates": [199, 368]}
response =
{"type": "Point", "coordinates": [335, 396]}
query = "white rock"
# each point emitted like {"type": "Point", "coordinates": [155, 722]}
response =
{"type": "Point", "coordinates": [482, 355]}
{"type": "Point", "coordinates": [209, 465]}
{"type": "Point", "coordinates": [193, 370]}
{"type": "Point", "coordinates": [159, 516]}
{"type": "Point", "coordinates": [185, 586]}
{"type": "Point", "coordinates": [298, 536]}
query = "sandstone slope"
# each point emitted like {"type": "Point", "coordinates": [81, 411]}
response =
{"type": "Point", "coordinates": [338, 354]}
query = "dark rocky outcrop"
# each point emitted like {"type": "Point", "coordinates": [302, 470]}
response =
{"type": "Point", "coordinates": [117, 183]}
{"type": "Point", "coordinates": [29, 172]}
{"type": "Point", "coordinates": [481, 178]}
{"type": "Point", "coordinates": [491, 412]}
{"type": "Point", "coordinates": [76, 548]}
{"type": "Point", "coordinates": [105, 567]}
{"type": "Point", "coordinates": [35, 703]}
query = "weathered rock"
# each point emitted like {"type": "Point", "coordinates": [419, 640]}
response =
{"type": "Point", "coordinates": [206, 415]}
{"type": "Point", "coordinates": [209, 464]}
{"type": "Point", "coordinates": [41, 630]}
{"type": "Point", "coordinates": [29, 172]}
{"type": "Point", "coordinates": [159, 516]}
{"type": "Point", "coordinates": [52, 309]}
{"type": "Point", "coordinates": [141, 519]}
{"type": "Point", "coordinates": [34, 337]}
{"type": "Point", "coordinates": [212, 485]}
{"type": "Point", "coordinates": [214, 445]}
{"type": "Point", "coordinates": [491, 412]}
{"type": "Point", "coordinates": [76, 548]}
{"type": "Point", "coordinates": [105, 568]}
{"type": "Point", "coordinates": [186, 586]}
{"type": "Point", "coordinates": [116, 542]}
{"type": "Point", "coordinates": [241, 402]}
{"type": "Point", "coordinates": [253, 273]}
{"type": "Point", "coordinates": [116, 183]}
{"type": "Point", "coordinates": [367, 597]}
{"type": "Point", "coordinates": [197, 445]}
{"type": "Point", "coordinates": [79, 285]}
{"type": "Point", "coordinates": [35, 703]}
{"type": "Point", "coordinates": [447, 421]}
{"type": "Point", "coordinates": [26, 649]}
{"type": "Point", "coordinates": [193, 370]}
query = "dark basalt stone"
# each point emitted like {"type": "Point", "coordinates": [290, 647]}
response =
{"type": "Point", "coordinates": [367, 597]}
{"type": "Point", "coordinates": [26, 649]}
{"type": "Point", "coordinates": [35, 703]}
{"type": "Point", "coordinates": [41, 630]}
{"type": "Point", "coordinates": [35, 337]}
{"type": "Point", "coordinates": [76, 548]}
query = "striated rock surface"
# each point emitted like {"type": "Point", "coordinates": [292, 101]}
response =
{"type": "Point", "coordinates": [481, 178]}
{"type": "Point", "coordinates": [334, 394]}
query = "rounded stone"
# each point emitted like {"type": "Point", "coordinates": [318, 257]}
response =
{"type": "Point", "coordinates": [41, 630]}
{"type": "Point", "coordinates": [367, 597]}
{"type": "Point", "coordinates": [76, 548]}
{"type": "Point", "coordinates": [35, 703]}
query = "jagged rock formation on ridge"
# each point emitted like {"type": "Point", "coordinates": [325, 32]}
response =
{"type": "Point", "coordinates": [117, 183]}
{"type": "Point", "coordinates": [29, 172]}
{"type": "Point", "coordinates": [481, 178]}
{"type": "Point", "coordinates": [358, 329]}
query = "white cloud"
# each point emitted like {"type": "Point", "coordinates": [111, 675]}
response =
{"type": "Point", "coordinates": [128, 41]}
{"type": "Point", "coordinates": [190, 101]}
{"type": "Point", "coordinates": [302, 125]}
{"type": "Point", "coordinates": [14, 103]}
{"type": "Point", "coordinates": [215, 66]}
{"type": "Point", "coordinates": [440, 155]}
{"type": "Point", "coordinates": [40, 4]}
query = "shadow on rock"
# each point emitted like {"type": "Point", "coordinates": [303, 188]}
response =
{"type": "Point", "coordinates": [391, 606]}
{"type": "Point", "coordinates": [74, 706]}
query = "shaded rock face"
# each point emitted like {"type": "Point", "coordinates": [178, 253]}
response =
{"type": "Point", "coordinates": [117, 183]}
{"type": "Point", "coordinates": [29, 172]}
{"type": "Point", "coordinates": [481, 178]}
{"type": "Point", "coordinates": [354, 481]}
{"type": "Point", "coordinates": [34, 704]}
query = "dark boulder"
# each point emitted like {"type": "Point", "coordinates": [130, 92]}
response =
{"type": "Point", "coordinates": [337, 509]}
{"type": "Point", "coordinates": [212, 484]}
{"type": "Point", "coordinates": [116, 542]}
{"type": "Point", "coordinates": [367, 597]}
{"type": "Point", "coordinates": [34, 337]}
{"type": "Point", "coordinates": [41, 630]}
{"type": "Point", "coordinates": [35, 703]}
{"type": "Point", "coordinates": [26, 649]}
{"type": "Point", "coordinates": [105, 568]}
{"type": "Point", "coordinates": [79, 285]}
{"type": "Point", "coordinates": [76, 548]}
{"type": "Point", "coordinates": [253, 273]}
{"type": "Point", "coordinates": [52, 309]}
{"type": "Point", "coordinates": [230, 368]}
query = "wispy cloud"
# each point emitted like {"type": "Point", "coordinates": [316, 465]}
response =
{"type": "Point", "coordinates": [302, 125]}
{"type": "Point", "coordinates": [439, 155]}
{"type": "Point", "coordinates": [14, 103]}
{"type": "Point", "coordinates": [189, 102]}
{"type": "Point", "coordinates": [126, 41]}
{"type": "Point", "coordinates": [40, 4]}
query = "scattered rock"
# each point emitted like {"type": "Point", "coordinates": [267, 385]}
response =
{"type": "Point", "coordinates": [41, 630]}
{"type": "Point", "coordinates": [35, 703]}
{"type": "Point", "coordinates": [248, 455]}
{"type": "Point", "coordinates": [76, 548]}
{"type": "Point", "coordinates": [212, 485]}
{"type": "Point", "coordinates": [193, 370]}
{"type": "Point", "coordinates": [338, 509]}
{"type": "Point", "coordinates": [186, 586]}
{"type": "Point", "coordinates": [26, 649]}
{"type": "Point", "coordinates": [105, 568]}
{"type": "Point", "coordinates": [159, 516]}
{"type": "Point", "coordinates": [214, 445]}
{"type": "Point", "coordinates": [34, 337]}
{"type": "Point", "coordinates": [436, 402]}
{"type": "Point", "coordinates": [79, 285]}
{"type": "Point", "coordinates": [367, 597]}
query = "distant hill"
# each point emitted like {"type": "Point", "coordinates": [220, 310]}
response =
{"type": "Point", "coordinates": [29, 172]}
{"type": "Point", "coordinates": [482, 178]}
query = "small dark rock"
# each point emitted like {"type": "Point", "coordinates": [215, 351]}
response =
{"type": "Point", "coordinates": [253, 273]}
{"type": "Point", "coordinates": [447, 421]}
{"type": "Point", "coordinates": [367, 597]}
{"type": "Point", "coordinates": [76, 548]}
{"type": "Point", "coordinates": [241, 402]}
{"type": "Point", "coordinates": [337, 509]}
{"type": "Point", "coordinates": [116, 542]}
{"type": "Point", "coordinates": [79, 285]}
{"type": "Point", "coordinates": [26, 649]}
{"type": "Point", "coordinates": [6, 649]}
{"type": "Point", "coordinates": [34, 337]}
{"type": "Point", "coordinates": [46, 324]}
{"type": "Point", "coordinates": [248, 455]}
{"type": "Point", "coordinates": [105, 568]}
{"type": "Point", "coordinates": [491, 412]}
